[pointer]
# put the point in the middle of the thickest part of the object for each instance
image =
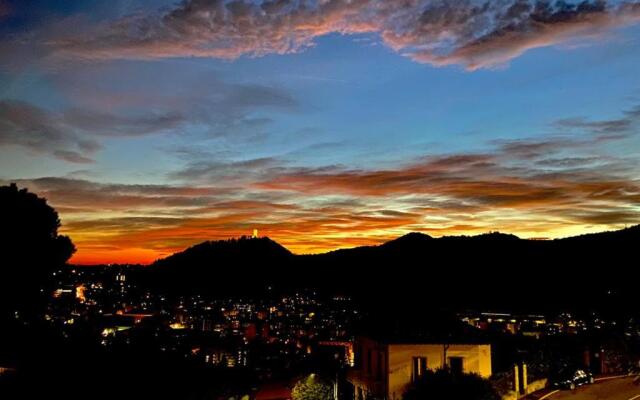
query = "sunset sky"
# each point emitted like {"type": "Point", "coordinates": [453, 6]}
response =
{"type": "Point", "coordinates": [153, 125]}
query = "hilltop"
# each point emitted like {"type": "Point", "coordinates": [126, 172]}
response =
{"type": "Point", "coordinates": [460, 271]}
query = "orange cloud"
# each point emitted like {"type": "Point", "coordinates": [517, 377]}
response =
{"type": "Point", "coordinates": [533, 188]}
{"type": "Point", "coordinates": [511, 41]}
{"type": "Point", "coordinates": [438, 33]}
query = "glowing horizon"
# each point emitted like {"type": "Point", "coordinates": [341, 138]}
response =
{"type": "Point", "coordinates": [152, 126]}
{"type": "Point", "coordinates": [87, 254]}
{"type": "Point", "coordinates": [146, 256]}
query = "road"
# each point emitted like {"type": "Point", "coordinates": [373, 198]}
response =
{"type": "Point", "coordinates": [614, 389]}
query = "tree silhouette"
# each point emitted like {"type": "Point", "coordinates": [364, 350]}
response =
{"type": "Point", "coordinates": [30, 248]}
{"type": "Point", "coordinates": [312, 388]}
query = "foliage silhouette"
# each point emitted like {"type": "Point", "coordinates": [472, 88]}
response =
{"type": "Point", "coordinates": [30, 248]}
{"type": "Point", "coordinates": [443, 384]}
{"type": "Point", "coordinates": [312, 388]}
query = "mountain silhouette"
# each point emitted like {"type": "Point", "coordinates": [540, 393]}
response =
{"type": "Point", "coordinates": [484, 271]}
{"type": "Point", "coordinates": [409, 240]}
{"type": "Point", "coordinates": [226, 267]}
{"type": "Point", "coordinates": [240, 250]}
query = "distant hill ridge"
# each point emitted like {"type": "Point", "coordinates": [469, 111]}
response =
{"type": "Point", "coordinates": [456, 271]}
{"type": "Point", "coordinates": [235, 247]}
{"type": "Point", "coordinates": [267, 247]}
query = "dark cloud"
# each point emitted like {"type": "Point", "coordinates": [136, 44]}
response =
{"type": "Point", "coordinates": [603, 215]}
{"type": "Point", "coordinates": [249, 96]}
{"type": "Point", "coordinates": [41, 131]}
{"type": "Point", "coordinates": [213, 109]}
{"type": "Point", "coordinates": [568, 162]}
{"type": "Point", "coordinates": [530, 149]}
{"type": "Point", "coordinates": [145, 103]}
{"type": "Point", "coordinates": [75, 185]}
{"type": "Point", "coordinates": [121, 125]}
{"type": "Point", "coordinates": [600, 127]}
{"type": "Point", "coordinates": [80, 195]}
{"type": "Point", "coordinates": [604, 130]}
{"type": "Point", "coordinates": [72, 157]}
{"type": "Point", "coordinates": [230, 171]}
{"type": "Point", "coordinates": [72, 135]}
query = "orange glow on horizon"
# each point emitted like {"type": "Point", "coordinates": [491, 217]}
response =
{"type": "Point", "coordinates": [119, 253]}
{"type": "Point", "coordinates": [88, 256]}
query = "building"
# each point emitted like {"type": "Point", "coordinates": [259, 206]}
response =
{"type": "Point", "coordinates": [384, 368]}
{"type": "Point", "coordinates": [6, 370]}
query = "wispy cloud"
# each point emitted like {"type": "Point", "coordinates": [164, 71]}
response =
{"type": "Point", "coordinates": [44, 132]}
{"type": "Point", "coordinates": [544, 186]}
{"type": "Point", "coordinates": [211, 108]}
{"type": "Point", "coordinates": [497, 32]}
{"type": "Point", "coordinates": [232, 171]}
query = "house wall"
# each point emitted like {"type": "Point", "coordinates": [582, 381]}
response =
{"type": "Point", "coordinates": [371, 359]}
{"type": "Point", "coordinates": [476, 359]}
{"type": "Point", "coordinates": [369, 377]}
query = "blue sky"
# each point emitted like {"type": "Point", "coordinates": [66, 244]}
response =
{"type": "Point", "coordinates": [91, 98]}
